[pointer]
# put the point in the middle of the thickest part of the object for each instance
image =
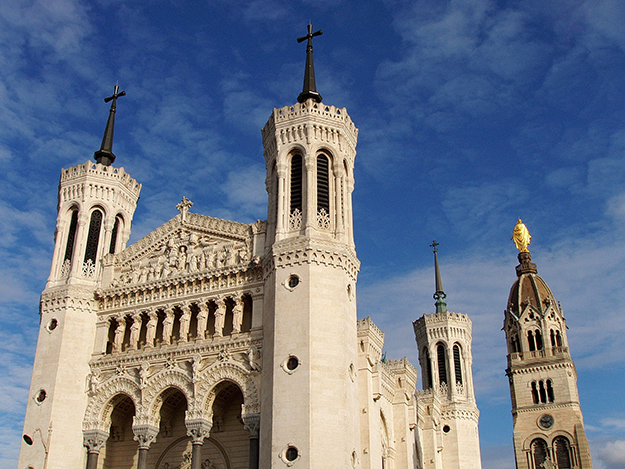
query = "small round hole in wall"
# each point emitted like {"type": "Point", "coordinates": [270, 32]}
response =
{"type": "Point", "coordinates": [41, 396]}
{"type": "Point", "coordinates": [53, 324]}
{"type": "Point", "coordinates": [446, 429]}
{"type": "Point", "coordinates": [292, 363]}
{"type": "Point", "coordinates": [293, 281]}
{"type": "Point", "coordinates": [291, 453]}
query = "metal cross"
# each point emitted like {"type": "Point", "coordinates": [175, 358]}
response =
{"type": "Point", "coordinates": [309, 36]}
{"type": "Point", "coordinates": [434, 246]}
{"type": "Point", "coordinates": [116, 94]}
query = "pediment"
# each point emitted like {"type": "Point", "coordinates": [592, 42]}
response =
{"type": "Point", "coordinates": [177, 248]}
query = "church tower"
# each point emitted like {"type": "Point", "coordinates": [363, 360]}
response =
{"type": "Point", "coordinates": [96, 203]}
{"type": "Point", "coordinates": [548, 422]}
{"type": "Point", "coordinates": [309, 410]}
{"type": "Point", "coordinates": [447, 414]}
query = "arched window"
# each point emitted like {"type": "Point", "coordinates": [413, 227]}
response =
{"type": "Point", "coordinates": [558, 339]}
{"type": "Point", "coordinates": [553, 338]}
{"type": "Point", "coordinates": [539, 340]}
{"type": "Point", "coordinates": [530, 339]}
{"type": "Point", "coordinates": [71, 236]}
{"type": "Point", "coordinates": [563, 452]}
{"type": "Point", "coordinates": [113, 246]}
{"type": "Point", "coordinates": [550, 396]}
{"type": "Point", "coordinates": [93, 238]}
{"type": "Point", "coordinates": [539, 452]}
{"type": "Point", "coordinates": [428, 370]}
{"type": "Point", "coordinates": [323, 184]}
{"type": "Point", "coordinates": [296, 184]}
{"type": "Point", "coordinates": [542, 392]}
{"type": "Point", "coordinates": [442, 365]}
{"type": "Point", "coordinates": [457, 364]}
{"type": "Point", "coordinates": [534, 393]}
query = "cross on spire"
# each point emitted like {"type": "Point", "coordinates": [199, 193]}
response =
{"type": "Point", "coordinates": [310, 87]}
{"type": "Point", "coordinates": [105, 154]}
{"type": "Point", "coordinates": [439, 295]}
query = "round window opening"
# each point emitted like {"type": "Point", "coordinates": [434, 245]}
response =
{"type": "Point", "coordinates": [292, 363]}
{"type": "Point", "coordinates": [41, 395]}
{"type": "Point", "coordinates": [291, 453]}
{"type": "Point", "coordinates": [293, 281]}
{"type": "Point", "coordinates": [446, 428]}
{"type": "Point", "coordinates": [53, 324]}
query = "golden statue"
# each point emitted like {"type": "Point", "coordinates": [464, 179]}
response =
{"type": "Point", "coordinates": [521, 236]}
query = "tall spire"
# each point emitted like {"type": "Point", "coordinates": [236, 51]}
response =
{"type": "Point", "coordinates": [310, 88]}
{"type": "Point", "coordinates": [105, 154]}
{"type": "Point", "coordinates": [439, 295]}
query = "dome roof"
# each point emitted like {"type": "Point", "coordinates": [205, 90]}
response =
{"type": "Point", "coordinates": [529, 288]}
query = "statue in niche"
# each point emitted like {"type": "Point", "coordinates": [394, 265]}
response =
{"type": "Point", "coordinates": [192, 261]}
{"type": "Point", "coordinates": [220, 317]}
{"type": "Point", "coordinates": [202, 260]}
{"type": "Point", "coordinates": [181, 262]}
{"type": "Point", "coordinates": [134, 331]}
{"type": "Point", "coordinates": [134, 273]}
{"type": "Point", "coordinates": [237, 315]}
{"type": "Point", "coordinates": [222, 256]}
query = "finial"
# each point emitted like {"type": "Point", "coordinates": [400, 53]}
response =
{"type": "Point", "coordinates": [184, 206]}
{"type": "Point", "coordinates": [105, 154]}
{"type": "Point", "coordinates": [439, 295]}
{"type": "Point", "coordinates": [310, 88]}
{"type": "Point", "coordinates": [521, 236]}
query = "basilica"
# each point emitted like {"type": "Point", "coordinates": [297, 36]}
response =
{"type": "Point", "coordinates": [213, 344]}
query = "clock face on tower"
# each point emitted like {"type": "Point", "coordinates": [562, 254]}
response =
{"type": "Point", "coordinates": [546, 421]}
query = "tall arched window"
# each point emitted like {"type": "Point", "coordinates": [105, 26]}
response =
{"type": "Point", "coordinates": [553, 338]}
{"type": "Point", "coordinates": [428, 370]}
{"type": "Point", "coordinates": [535, 398]}
{"type": "Point", "coordinates": [93, 238]}
{"type": "Point", "coordinates": [542, 391]}
{"type": "Point", "coordinates": [530, 339]}
{"type": "Point", "coordinates": [296, 183]}
{"type": "Point", "coordinates": [442, 364]}
{"type": "Point", "coordinates": [539, 452]}
{"type": "Point", "coordinates": [563, 452]}
{"type": "Point", "coordinates": [323, 185]}
{"type": "Point", "coordinates": [71, 236]}
{"type": "Point", "coordinates": [539, 340]}
{"type": "Point", "coordinates": [116, 227]}
{"type": "Point", "coordinates": [550, 396]}
{"type": "Point", "coordinates": [457, 364]}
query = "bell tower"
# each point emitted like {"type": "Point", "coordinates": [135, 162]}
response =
{"type": "Point", "coordinates": [447, 412]}
{"type": "Point", "coordinates": [548, 422]}
{"type": "Point", "coordinates": [96, 203]}
{"type": "Point", "coordinates": [309, 408]}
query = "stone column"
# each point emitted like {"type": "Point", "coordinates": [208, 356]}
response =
{"type": "Point", "coordinates": [134, 332]}
{"type": "Point", "coordinates": [251, 423]}
{"type": "Point", "coordinates": [168, 325]}
{"type": "Point", "coordinates": [79, 245]}
{"type": "Point", "coordinates": [94, 440]}
{"type": "Point", "coordinates": [220, 316]}
{"type": "Point", "coordinates": [185, 320]}
{"type": "Point", "coordinates": [309, 195]}
{"type": "Point", "coordinates": [237, 315]}
{"type": "Point", "coordinates": [144, 434]}
{"type": "Point", "coordinates": [150, 332]}
{"type": "Point", "coordinates": [202, 320]}
{"type": "Point", "coordinates": [197, 429]}
{"type": "Point", "coordinates": [119, 334]}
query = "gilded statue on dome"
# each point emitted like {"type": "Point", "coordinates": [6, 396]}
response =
{"type": "Point", "coordinates": [521, 236]}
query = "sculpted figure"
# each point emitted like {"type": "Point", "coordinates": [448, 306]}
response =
{"type": "Point", "coordinates": [253, 356]}
{"type": "Point", "coordinates": [134, 332]}
{"type": "Point", "coordinates": [237, 316]}
{"type": "Point", "coordinates": [521, 236]}
{"type": "Point", "coordinates": [220, 316]}
{"type": "Point", "coordinates": [93, 379]}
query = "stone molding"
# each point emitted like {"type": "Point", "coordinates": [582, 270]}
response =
{"type": "Point", "coordinates": [94, 440]}
{"type": "Point", "coordinates": [251, 422]}
{"type": "Point", "coordinates": [529, 369]}
{"type": "Point", "coordinates": [144, 433]}
{"type": "Point", "coordinates": [540, 408]}
{"type": "Point", "coordinates": [198, 429]}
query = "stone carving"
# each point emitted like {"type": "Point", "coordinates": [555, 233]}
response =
{"type": "Point", "coordinates": [144, 434]}
{"type": "Point", "coordinates": [134, 331]}
{"type": "Point", "coordinates": [100, 405]}
{"type": "Point", "coordinates": [237, 315]}
{"type": "Point", "coordinates": [323, 219]}
{"type": "Point", "coordinates": [253, 357]}
{"type": "Point", "coordinates": [92, 382]}
{"type": "Point", "coordinates": [295, 219]}
{"type": "Point", "coordinates": [220, 317]}
{"type": "Point", "coordinates": [143, 374]}
{"type": "Point", "coordinates": [94, 440]}
{"type": "Point", "coordinates": [251, 422]}
{"type": "Point", "coordinates": [227, 371]}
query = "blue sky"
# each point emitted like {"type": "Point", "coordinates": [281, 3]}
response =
{"type": "Point", "coordinates": [471, 115]}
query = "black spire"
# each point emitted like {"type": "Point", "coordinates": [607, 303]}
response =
{"type": "Point", "coordinates": [105, 154]}
{"type": "Point", "coordinates": [439, 296]}
{"type": "Point", "coordinates": [310, 88]}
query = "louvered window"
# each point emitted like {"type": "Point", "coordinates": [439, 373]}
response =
{"type": "Point", "coordinates": [323, 184]}
{"type": "Point", "coordinates": [71, 236]}
{"type": "Point", "coordinates": [93, 238]}
{"type": "Point", "coordinates": [442, 367]}
{"type": "Point", "coordinates": [428, 368]}
{"type": "Point", "coordinates": [457, 364]}
{"type": "Point", "coordinates": [539, 452]}
{"type": "Point", "coordinates": [296, 183]}
{"type": "Point", "coordinates": [114, 236]}
{"type": "Point", "coordinates": [563, 452]}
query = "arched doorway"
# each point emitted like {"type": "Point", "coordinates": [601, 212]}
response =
{"type": "Point", "coordinates": [120, 451]}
